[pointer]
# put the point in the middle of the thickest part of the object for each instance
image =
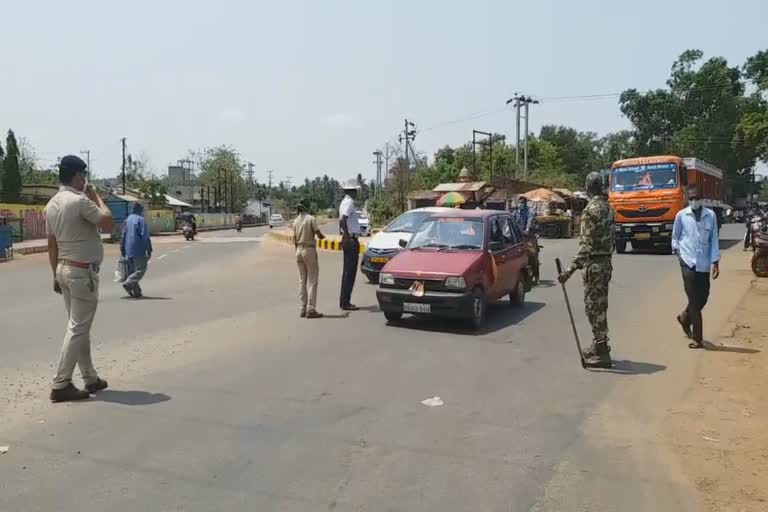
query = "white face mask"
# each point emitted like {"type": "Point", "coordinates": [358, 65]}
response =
{"type": "Point", "coordinates": [695, 203]}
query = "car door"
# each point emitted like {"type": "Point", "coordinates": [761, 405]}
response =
{"type": "Point", "coordinates": [500, 231]}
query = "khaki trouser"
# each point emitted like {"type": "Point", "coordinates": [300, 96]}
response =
{"type": "Point", "coordinates": [80, 290]}
{"type": "Point", "coordinates": [306, 259]}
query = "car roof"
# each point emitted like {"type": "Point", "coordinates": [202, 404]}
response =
{"type": "Point", "coordinates": [431, 209]}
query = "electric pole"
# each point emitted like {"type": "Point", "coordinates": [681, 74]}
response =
{"type": "Point", "coordinates": [386, 159]}
{"type": "Point", "coordinates": [378, 154]}
{"type": "Point", "coordinates": [123, 142]}
{"type": "Point", "coordinates": [269, 181]}
{"type": "Point", "coordinates": [250, 174]}
{"type": "Point", "coordinates": [288, 180]}
{"type": "Point", "coordinates": [87, 153]}
{"type": "Point", "coordinates": [409, 134]}
{"type": "Point", "coordinates": [516, 99]}
{"type": "Point", "coordinates": [528, 100]}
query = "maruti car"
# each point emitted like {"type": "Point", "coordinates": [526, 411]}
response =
{"type": "Point", "coordinates": [385, 244]}
{"type": "Point", "coordinates": [454, 265]}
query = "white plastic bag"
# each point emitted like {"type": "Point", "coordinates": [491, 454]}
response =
{"type": "Point", "coordinates": [121, 270]}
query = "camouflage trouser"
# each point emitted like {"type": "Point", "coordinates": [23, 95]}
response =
{"type": "Point", "coordinates": [597, 276]}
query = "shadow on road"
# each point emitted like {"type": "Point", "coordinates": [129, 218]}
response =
{"type": "Point", "coordinates": [335, 317]}
{"type": "Point", "coordinates": [725, 348]}
{"type": "Point", "coordinates": [500, 316]}
{"type": "Point", "coordinates": [131, 397]}
{"type": "Point", "coordinates": [146, 297]}
{"type": "Point", "coordinates": [546, 283]}
{"type": "Point", "coordinates": [623, 367]}
{"type": "Point", "coordinates": [727, 244]}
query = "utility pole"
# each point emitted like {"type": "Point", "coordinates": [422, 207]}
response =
{"type": "Point", "coordinates": [288, 182]}
{"type": "Point", "coordinates": [218, 190]}
{"type": "Point", "coordinates": [517, 100]}
{"type": "Point", "coordinates": [250, 174]}
{"type": "Point", "coordinates": [528, 100]}
{"type": "Point", "coordinates": [123, 142]}
{"type": "Point", "coordinates": [409, 134]}
{"type": "Point", "coordinates": [488, 143]}
{"type": "Point", "coordinates": [87, 153]}
{"type": "Point", "coordinates": [378, 154]}
{"type": "Point", "coordinates": [269, 181]}
{"type": "Point", "coordinates": [386, 159]}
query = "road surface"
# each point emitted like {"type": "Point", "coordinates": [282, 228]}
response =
{"type": "Point", "coordinates": [221, 398]}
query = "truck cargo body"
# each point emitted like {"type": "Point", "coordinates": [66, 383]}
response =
{"type": "Point", "coordinates": [646, 194]}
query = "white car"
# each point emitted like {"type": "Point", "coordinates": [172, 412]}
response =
{"type": "Point", "coordinates": [362, 221]}
{"type": "Point", "coordinates": [386, 244]}
{"type": "Point", "coordinates": [276, 220]}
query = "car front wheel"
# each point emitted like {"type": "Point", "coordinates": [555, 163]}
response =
{"type": "Point", "coordinates": [478, 310]}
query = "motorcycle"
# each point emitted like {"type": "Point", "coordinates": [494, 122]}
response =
{"type": "Point", "coordinates": [760, 256]}
{"type": "Point", "coordinates": [188, 232]}
{"type": "Point", "coordinates": [756, 225]}
{"type": "Point", "coordinates": [239, 226]}
{"type": "Point", "coordinates": [534, 262]}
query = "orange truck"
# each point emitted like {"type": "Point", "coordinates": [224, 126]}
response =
{"type": "Point", "coordinates": [646, 193]}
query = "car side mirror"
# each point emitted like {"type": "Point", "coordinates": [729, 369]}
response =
{"type": "Point", "coordinates": [402, 243]}
{"type": "Point", "coordinates": [495, 246]}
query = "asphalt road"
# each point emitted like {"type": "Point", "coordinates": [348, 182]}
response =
{"type": "Point", "coordinates": [221, 398]}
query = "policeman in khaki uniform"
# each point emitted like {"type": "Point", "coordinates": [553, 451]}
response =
{"type": "Point", "coordinates": [73, 218]}
{"type": "Point", "coordinates": [304, 231]}
{"type": "Point", "coordinates": [595, 249]}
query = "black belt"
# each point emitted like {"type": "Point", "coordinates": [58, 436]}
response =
{"type": "Point", "coordinates": [599, 256]}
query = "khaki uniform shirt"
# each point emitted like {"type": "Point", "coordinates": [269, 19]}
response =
{"type": "Point", "coordinates": [72, 219]}
{"type": "Point", "coordinates": [304, 229]}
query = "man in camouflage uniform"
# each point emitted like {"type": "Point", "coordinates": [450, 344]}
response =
{"type": "Point", "coordinates": [595, 248]}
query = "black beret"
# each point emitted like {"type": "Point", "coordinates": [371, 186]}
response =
{"type": "Point", "coordinates": [72, 162]}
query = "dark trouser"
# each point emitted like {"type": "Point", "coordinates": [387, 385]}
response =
{"type": "Point", "coordinates": [748, 236]}
{"type": "Point", "coordinates": [697, 289]}
{"type": "Point", "coordinates": [351, 248]}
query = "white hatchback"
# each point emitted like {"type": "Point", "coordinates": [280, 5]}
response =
{"type": "Point", "coordinates": [276, 220]}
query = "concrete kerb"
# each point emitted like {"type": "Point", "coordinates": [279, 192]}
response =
{"type": "Point", "coordinates": [328, 244]}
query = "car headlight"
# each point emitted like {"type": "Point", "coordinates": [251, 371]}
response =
{"type": "Point", "coordinates": [617, 227]}
{"type": "Point", "coordinates": [627, 230]}
{"type": "Point", "coordinates": [455, 282]}
{"type": "Point", "coordinates": [669, 227]}
{"type": "Point", "coordinates": [387, 279]}
{"type": "Point", "coordinates": [655, 229]}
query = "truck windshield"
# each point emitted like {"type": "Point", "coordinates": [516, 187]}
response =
{"type": "Point", "coordinates": [644, 177]}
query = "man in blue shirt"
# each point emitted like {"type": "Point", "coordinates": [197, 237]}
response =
{"type": "Point", "coordinates": [524, 216]}
{"type": "Point", "coordinates": [695, 241]}
{"type": "Point", "coordinates": [136, 248]}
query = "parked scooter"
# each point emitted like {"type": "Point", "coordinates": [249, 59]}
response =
{"type": "Point", "coordinates": [756, 224]}
{"type": "Point", "coordinates": [760, 256]}
{"type": "Point", "coordinates": [187, 231]}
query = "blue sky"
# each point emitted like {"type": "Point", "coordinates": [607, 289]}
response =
{"type": "Point", "coordinates": [312, 87]}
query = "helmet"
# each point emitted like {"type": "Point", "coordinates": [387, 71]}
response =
{"type": "Point", "coordinates": [595, 183]}
{"type": "Point", "coordinates": [350, 185]}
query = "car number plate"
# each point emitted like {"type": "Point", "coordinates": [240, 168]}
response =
{"type": "Point", "coordinates": [379, 260]}
{"type": "Point", "coordinates": [642, 236]}
{"type": "Point", "coordinates": [410, 307]}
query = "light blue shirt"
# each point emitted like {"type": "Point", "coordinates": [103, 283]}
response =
{"type": "Point", "coordinates": [697, 243]}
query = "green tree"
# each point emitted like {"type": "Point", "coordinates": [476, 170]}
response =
{"type": "Point", "coordinates": [222, 169]}
{"type": "Point", "coordinates": [11, 175]}
{"type": "Point", "coordinates": [153, 191]}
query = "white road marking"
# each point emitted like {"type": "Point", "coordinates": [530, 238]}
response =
{"type": "Point", "coordinates": [186, 247]}
{"type": "Point", "coordinates": [175, 250]}
{"type": "Point", "coordinates": [162, 256]}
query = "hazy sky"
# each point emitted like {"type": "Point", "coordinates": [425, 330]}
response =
{"type": "Point", "coordinates": [313, 87]}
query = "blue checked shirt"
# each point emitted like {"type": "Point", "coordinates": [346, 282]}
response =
{"type": "Point", "coordinates": [697, 243]}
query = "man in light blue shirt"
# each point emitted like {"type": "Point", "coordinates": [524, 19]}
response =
{"type": "Point", "coordinates": [695, 240]}
{"type": "Point", "coordinates": [136, 248]}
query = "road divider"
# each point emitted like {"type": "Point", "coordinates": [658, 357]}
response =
{"type": "Point", "coordinates": [328, 244]}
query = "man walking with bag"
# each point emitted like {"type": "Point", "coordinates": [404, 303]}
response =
{"type": "Point", "coordinates": [304, 231]}
{"type": "Point", "coordinates": [72, 219]}
{"type": "Point", "coordinates": [136, 248]}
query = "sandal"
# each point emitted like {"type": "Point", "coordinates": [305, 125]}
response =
{"type": "Point", "coordinates": [695, 344]}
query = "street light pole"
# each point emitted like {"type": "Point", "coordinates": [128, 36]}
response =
{"type": "Point", "coordinates": [87, 153]}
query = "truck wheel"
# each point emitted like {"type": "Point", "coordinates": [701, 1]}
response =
{"type": "Point", "coordinates": [621, 246]}
{"type": "Point", "coordinates": [392, 316]}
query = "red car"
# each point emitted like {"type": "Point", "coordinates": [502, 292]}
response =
{"type": "Point", "coordinates": [454, 265]}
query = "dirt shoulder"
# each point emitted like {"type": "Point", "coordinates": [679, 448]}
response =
{"type": "Point", "coordinates": [719, 430]}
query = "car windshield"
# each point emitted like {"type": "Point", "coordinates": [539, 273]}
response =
{"type": "Point", "coordinates": [408, 222]}
{"type": "Point", "coordinates": [449, 233]}
{"type": "Point", "coordinates": [644, 177]}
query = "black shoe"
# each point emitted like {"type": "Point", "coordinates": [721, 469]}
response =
{"type": "Point", "coordinates": [68, 394]}
{"type": "Point", "coordinates": [314, 314]}
{"type": "Point", "coordinates": [686, 328]}
{"type": "Point", "coordinates": [303, 314]}
{"type": "Point", "coordinates": [601, 357]}
{"type": "Point", "coordinates": [349, 307]}
{"type": "Point", "coordinates": [128, 290]}
{"type": "Point", "coordinates": [96, 386]}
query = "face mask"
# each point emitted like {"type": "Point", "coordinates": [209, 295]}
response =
{"type": "Point", "coordinates": [522, 206]}
{"type": "Point", "coordinates": [695, 203]}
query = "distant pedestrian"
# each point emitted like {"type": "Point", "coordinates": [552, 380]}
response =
{"type": "Point", "coordinates": [595, 250]}
{"type": "Point", "coordinates": [73, 217]}
{"type": "Point", "coordinates": [696, 242]}
{"type": "Point", "coordinates": [304, 232]}
{"type": "Point", "coordinates": [136, 248]}
{"type": "Point", "coordinates": [350, 232]}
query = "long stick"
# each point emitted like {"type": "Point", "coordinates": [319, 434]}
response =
{"type": "Point", "coordinates": [570, 313]}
